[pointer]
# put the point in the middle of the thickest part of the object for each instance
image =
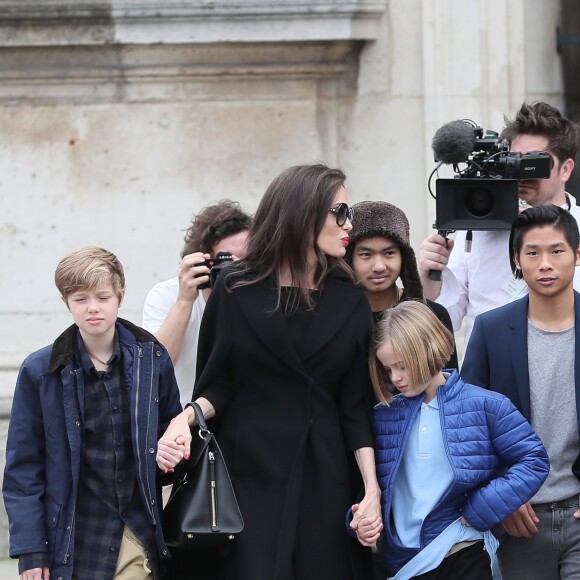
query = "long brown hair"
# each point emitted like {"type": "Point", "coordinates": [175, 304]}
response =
{"type": "Point", "coordinates": [286, 224]}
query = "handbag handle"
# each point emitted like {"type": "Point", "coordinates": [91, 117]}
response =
{"type": "Point", "coordinates": [203, 430]}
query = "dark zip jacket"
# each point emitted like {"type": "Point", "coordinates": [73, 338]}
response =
{"type": "Point", "coordinates": [45, 441]}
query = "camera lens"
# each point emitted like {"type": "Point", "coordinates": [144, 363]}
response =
{"type": "Point", "coordinates": [479, 202]}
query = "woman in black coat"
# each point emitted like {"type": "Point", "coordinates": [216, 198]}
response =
{"type": "Point", "coordinates": [282, 364]}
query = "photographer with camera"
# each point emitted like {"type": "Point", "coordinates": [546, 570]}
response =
{"type": "Point", "coordinates": [173, 309]}
{"type": "Point", "coordinates": [478, 279]}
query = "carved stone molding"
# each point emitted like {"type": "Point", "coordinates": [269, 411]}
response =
{"type": "Point", "coordinates": [88, 51]}
{"type": "Point", "coordinates": [158, 73]}
{"type": "Point", "coordinates": [86, 22]}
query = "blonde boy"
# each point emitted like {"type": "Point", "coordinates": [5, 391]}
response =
{"type": "Point", "coordinates": [80, 484]}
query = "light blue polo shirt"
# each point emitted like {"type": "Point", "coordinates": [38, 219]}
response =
{"type": "Point", "coordinates": [424, 475]}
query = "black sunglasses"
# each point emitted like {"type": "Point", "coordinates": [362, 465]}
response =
{"type": "Point", "coordinates": [342, 213]}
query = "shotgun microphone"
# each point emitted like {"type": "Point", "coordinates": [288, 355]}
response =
{"type": "Point", "coordinates": [453, 142]}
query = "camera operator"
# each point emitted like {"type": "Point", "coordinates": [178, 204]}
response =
{"type": "Point", "coordinates": [173, 309]}
{"type": "Point", "coordinates": [477, 281]}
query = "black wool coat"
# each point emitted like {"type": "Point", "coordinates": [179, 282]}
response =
{"type": "Point", "coordinates": [287, 423]}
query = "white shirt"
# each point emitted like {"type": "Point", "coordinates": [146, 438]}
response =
{"type": "Point", "coordinates": [158, 303]}
{"type": "Point", "coordinates": [477, 281]}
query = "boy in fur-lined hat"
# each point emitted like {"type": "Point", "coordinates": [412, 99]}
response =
{"type": "Point", "coordinates": [380, 254]}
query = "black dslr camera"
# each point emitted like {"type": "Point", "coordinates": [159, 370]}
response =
{"type": "Point", "coordinates": [215, 266]}
{"type": "Point", "coordinates": [484, 193]}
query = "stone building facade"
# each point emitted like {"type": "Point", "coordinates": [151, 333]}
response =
{"type": "Point", "coordinates": [120, 118]}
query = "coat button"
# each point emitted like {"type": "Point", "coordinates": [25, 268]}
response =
{"type": "Point", "coordinates": [78, 423]}
{"type": "Point", "coordinates": [157, 353]}
{"type": "Point", "coordinates": [151, 450]}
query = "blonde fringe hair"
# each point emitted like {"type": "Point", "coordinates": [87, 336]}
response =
{"type": "Point", "coordinates": [423, 343]}
{"type": "Point", "coordinates": [87, 269]}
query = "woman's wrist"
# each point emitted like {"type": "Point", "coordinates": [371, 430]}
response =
{"type": "Point", "coordinates": [372, 487]}
{"type": "Point", "coordinates": [189, 415]}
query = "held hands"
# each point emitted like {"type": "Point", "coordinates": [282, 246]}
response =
{"type": "Point", "coordinates": [174, 444]}
{"type": "Point", "coordinates": [522, 523]}
{"type": "Point", "coordinates": [367, 529]}
{"type": "Point", "coordinates": [36, 574]}
{"type": "Point", "coordinates": [191, 273]}
{"type": "Point", "coordinates": [366, 520]}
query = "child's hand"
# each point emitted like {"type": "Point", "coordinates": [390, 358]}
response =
{"type": "Point", "coordinates": [170, 453]}
{"type": "Point", "coordinates": [35, 574]}
{"type": "Point", "coordinates": [464, 522]}
{"type": "Point", "coordinates": [368, 530]}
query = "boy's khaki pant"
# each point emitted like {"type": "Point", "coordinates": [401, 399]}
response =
{"type": "Point", "coordinates": [132, 563]}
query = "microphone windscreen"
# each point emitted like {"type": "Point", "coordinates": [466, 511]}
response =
{"type": "Point", "coordinates": [453, 142]}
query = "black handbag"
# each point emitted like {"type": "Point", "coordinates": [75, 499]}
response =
{"type": "Point", "coordinates": [202, 510]}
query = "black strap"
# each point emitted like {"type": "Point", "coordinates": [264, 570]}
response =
{"type": "Point", "coordinates": [200, 418]}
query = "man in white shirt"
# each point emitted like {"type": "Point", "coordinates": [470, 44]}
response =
{"type": "Point", "coordinates": [477, 281]}
{"type": "Point", "coordinates": [173, 309]}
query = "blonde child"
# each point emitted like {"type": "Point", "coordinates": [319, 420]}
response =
{"type": "Point", "coordinates": [453, 460]}
{"type": "Point", "coordinates": [81, 486]}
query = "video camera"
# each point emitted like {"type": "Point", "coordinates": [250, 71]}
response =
{"type": "Point", "coordinates": [484, 194]}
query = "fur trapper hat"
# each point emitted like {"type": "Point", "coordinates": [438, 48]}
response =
{"type": "Point", "coordinates": [379, 218]}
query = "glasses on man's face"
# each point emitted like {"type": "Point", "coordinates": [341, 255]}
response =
{"type": "Point", "coordinates": [342, 213]}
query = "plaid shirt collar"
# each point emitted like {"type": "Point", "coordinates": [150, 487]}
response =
{"type": "Point", "coordinates": [84, 360]}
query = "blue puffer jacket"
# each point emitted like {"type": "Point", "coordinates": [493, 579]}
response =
{"type": "Point", "coordinates": [45, 441]}
{"type": "Point", "coordinates": [498, 461]}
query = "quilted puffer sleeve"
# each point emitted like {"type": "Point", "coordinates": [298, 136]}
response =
{"type": "Point", "coordinates": [520, 449]}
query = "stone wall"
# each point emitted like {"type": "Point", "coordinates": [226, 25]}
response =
{"type": "Point", "coordinates": [118, 120]}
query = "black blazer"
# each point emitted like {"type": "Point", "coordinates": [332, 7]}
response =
{"type": "Point", "coordinates": [288, 421]}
